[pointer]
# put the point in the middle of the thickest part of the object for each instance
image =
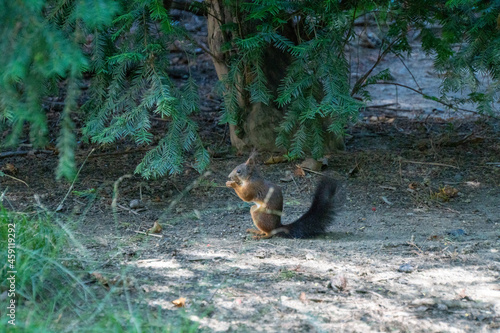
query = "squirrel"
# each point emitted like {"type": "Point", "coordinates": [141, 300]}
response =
{"type": "Point", "coordinates": [268, 208]}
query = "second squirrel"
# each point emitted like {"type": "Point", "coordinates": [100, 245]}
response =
{"type": "Point", "coordinates": [268, 208]}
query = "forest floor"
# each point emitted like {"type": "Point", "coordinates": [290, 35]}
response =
{"type": "Point", "coordinates": [414, 246]}
{"type": "Point", "coordinates": [406, 252]}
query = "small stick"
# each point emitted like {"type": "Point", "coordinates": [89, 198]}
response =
{"type": "Point", "coordinates": [127, 209]}
{"type": "Point", "coordinates": [19, 180]}
{"type": "Point", "coordinates": [380, 106]}
{"type": "Point", "coordinates": [147, 234]}
{"type": "Point", "coordinates": [312, 171]}
{"type": "Point", "coordinates": [431, 163]}
{"type": "Point", "coordinates": [125, 152]}
{"type": "Point", "coordinates": [216, 290]}
{"type": "Point", "coordinates": [24, 152]}
{"type": "Point", "coordinates": [115, 192]}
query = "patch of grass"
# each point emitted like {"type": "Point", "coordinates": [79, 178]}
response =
{"type": "Point", "coordinates": [90, 193]}
{"type": "Point", "coordinates": [287, 275]}
{"type": "Point", "coordinates": [54, 290]}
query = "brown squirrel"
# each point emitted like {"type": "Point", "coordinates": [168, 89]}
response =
{"type": "Point", "coordinates": [268, 199]}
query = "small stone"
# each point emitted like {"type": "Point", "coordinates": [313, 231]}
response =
{"type": "Point", "coordinates": [457, 233]}
{"type": "Point", "coordinates": [406, 268]}
{"type": "Point", "coordinates": [311, 164]}
{"type": "Point", "coordinates": [468, 249]}
{"type": "Point", "coordinates": [442, 307]}
{"type": "Point", "coordinates": [421, 309]}
{"type": "Point", "coordinates": [77, 209]}
{"type": "Point", "coordinates": [338, 283]}
{"type": "Point", "coordinates": [310, 256]}
{"type": "Point", "coordinates": [261, 254]}
{"type": "Point", "coordinates": [136, 204]}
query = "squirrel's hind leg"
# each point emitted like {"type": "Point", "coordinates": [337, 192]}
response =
{"type": "Point", "coordinates": [256, 231]}
{"type": "Point", "coordinates": [259, 234]}
{"type": "Point", "coordinates": [263, 236]}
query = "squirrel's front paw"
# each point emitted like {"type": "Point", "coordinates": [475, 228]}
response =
{"type": "Point", "coordinates": [230, 183]}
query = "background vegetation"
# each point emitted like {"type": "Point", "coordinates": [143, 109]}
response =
{"type": "Point", "coordinates": [108, 60]}
{"type": "Point", "coordinates": [54, 47]}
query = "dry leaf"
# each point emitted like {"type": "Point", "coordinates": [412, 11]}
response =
{"type": "Point", "coordinates": [354, 170]}
{"type": "Point", "coordinates": [338, 283]}
{"type": "Point", "coordinates": [101, 279]}
{"type": "Point", "coordinates": [449, 191]}
{"type": "Point", "coordinates": [275, 160]}
{"type": "Point", "coordinates": [58, 318]}
{"type": "Point", "coordinates": [446, 193]}
{"type": "Point", "coordinates": [303, 297]}
{"type": "Point", "coordinates": [434, 237]}
{"type": "Point", "coordinates": [180, 302]}
{"type": "Point", "coordinates": [462, 294]}
{"type": "Point", "coordinates": [10, 169]}
{"type": "Point", "coordinates": [156, 228]}
{"type": "Point", "coordinates": [413, 186]}
{"type": "Point", "coordinates": [299, 172]}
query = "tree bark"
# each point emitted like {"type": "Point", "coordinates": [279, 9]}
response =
{"type": "Point", "coordinates": [257, 128]}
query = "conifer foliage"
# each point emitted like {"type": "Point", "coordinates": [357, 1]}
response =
{"type": "Point", "coordinates": [123, 47]}
{"type": "Point", "coordinates": [38, 52]}
{"type": "Point", "coordinates": [130, 82]}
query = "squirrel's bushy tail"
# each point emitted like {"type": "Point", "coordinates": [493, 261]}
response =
{"type": "Point", "coordinates": [318, 217]}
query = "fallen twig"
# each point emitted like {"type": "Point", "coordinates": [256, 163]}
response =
{"type": "Point", "coordinates": [147, 234]}
{"type": "Point", "coordinates": [431, 163]}
{"type": "Point", "coordinates": [128, 209]}
{"type": "Point", "coordinates": [115, 193]}
{"type": "Point", "coordinates": [124, 152]}
{"type": "Point", "coordinates": [19, 180]}
{"type": "Point", "coordinates": [434, 98]}
{"type": "Point", "coordinates": [312, 171]}
{"type": "Point", "coordinates": [25, 152]}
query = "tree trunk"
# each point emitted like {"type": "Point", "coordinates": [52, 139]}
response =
{"type": "Point", "coordinates": [257, 128]}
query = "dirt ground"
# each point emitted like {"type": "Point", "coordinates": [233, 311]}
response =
{"type": "Point", "coordinates": [398, 257]}
{"type": "Point", "coordinates": [414, 246]}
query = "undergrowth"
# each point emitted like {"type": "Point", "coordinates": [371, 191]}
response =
{"type": "Point", "coordinates": [55, 290]}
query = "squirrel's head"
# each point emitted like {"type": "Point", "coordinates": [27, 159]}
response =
{"type": "Point", "coordinates": [245, 170]}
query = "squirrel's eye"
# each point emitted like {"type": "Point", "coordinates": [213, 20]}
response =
{"type": "Point", "coordinates": [238, 171]}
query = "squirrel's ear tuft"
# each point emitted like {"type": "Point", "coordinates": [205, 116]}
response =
{"type": "Point", "coordinates": [251, 159]}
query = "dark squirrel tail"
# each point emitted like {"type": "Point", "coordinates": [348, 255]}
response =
{"type": "Point", "coordinates": [318, 217]}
